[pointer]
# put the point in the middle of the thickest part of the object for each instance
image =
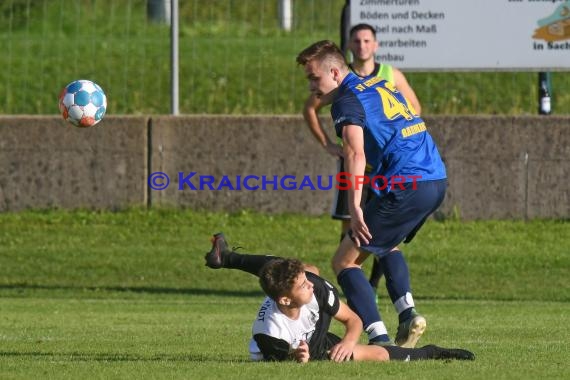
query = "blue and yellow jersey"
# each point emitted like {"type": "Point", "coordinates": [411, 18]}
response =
{"type": "Point", "coordinates": [396, 141]}
{"type": "Point", "coordinates": [383, 71]}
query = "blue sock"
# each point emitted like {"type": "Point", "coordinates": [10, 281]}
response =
{"type": "Point", "coordinates": [361, 299]}
{"type": "Point", "coordinates": [397, 279]}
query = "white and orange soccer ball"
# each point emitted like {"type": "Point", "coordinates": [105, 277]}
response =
{"type": "Point", "coordinates": [82, 103]}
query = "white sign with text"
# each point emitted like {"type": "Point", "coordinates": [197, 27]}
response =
{"type": "Point", "coordinates": [469, 34]}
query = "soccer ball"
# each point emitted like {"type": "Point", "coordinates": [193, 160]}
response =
{"type": "Point", "coordinates": [83, 103]}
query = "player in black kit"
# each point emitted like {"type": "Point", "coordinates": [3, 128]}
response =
{"type": "Point", "coordinates": [293, 321]}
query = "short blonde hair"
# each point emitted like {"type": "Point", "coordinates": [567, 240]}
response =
{"type": "Point", "coordinates": [322, 51]}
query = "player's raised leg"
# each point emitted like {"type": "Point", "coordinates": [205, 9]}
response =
{"type": "Point", "coordinates": [221, 256]}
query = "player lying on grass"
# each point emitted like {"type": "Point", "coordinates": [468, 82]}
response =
{"type": "Point", "coordinates": [293, 321]}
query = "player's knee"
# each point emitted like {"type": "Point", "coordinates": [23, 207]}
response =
{"type": "Point", "coordinates": [338, 264]}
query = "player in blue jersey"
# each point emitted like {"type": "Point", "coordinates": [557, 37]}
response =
{"type": "Point", "coordinates": [294, 319]}
{"type": "Point", "coordinates": [379, 128]}
{"type": "Point", "coordinates": [363, 45]}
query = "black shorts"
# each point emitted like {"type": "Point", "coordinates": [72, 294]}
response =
{"type": "Point", "coordinates": [320, 350]}
{"type": "Point", "coordinates": [340, 202]}
{"type": "Point", "coordinates": [398, 215]}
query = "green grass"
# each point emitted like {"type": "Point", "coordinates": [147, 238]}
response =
{"type": "Point", "coordinates": [234, 59]}
{"type": "Point", "coordinates": [164, 336]}
{"type": "Point", "coordinates": [126, 295]}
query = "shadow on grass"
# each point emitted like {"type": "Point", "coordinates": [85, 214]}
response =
{"type": "Point", "coordinates": [119, 357]}
{"type": "Point", "coordinates": [257, 293]}
{"type": "Point", "coordinates": [140, 289]}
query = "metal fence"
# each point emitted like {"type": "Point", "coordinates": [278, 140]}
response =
{"type": "Point", "coordinates": [235, 57]}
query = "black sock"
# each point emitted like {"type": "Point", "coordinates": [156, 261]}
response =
{"type": "Point", "coordinates": [401, 353]}
{"type": "Point", "coordinates": [428, 352]}
{"type": "Point", "coordinates": [247, 263]}
{"type": "Point", "coordinates": [376, 273]}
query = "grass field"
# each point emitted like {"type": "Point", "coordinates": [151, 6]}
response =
{"type": "Point", "coordinates": [234, 59]}
{"type": "Point", "coordinates": [126, 295]}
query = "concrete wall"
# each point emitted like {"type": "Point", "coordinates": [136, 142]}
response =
{"type": "Point", "coordinates": [499, 167]}
{"type": "Point", "coordinates": [505, 167]}
{"type": "Point", "coordinates": [45, 162]}
{"type": "Point", "coordinates": [230, 146]}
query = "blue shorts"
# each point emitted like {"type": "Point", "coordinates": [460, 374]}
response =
{"type": "Point", "coordinates": [398, 215]}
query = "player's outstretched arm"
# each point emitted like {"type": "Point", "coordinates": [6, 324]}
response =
{"type": "Point", "coordinates": [311, 268]}
{"type": "Point", "coordinates": [404, 87]}
{"type": "Point", "coordinates": [311, 115]}
{"type": "Point", "coordinates": [353, 328]}
{"type": "Point", "coordinates": [355, 164]}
